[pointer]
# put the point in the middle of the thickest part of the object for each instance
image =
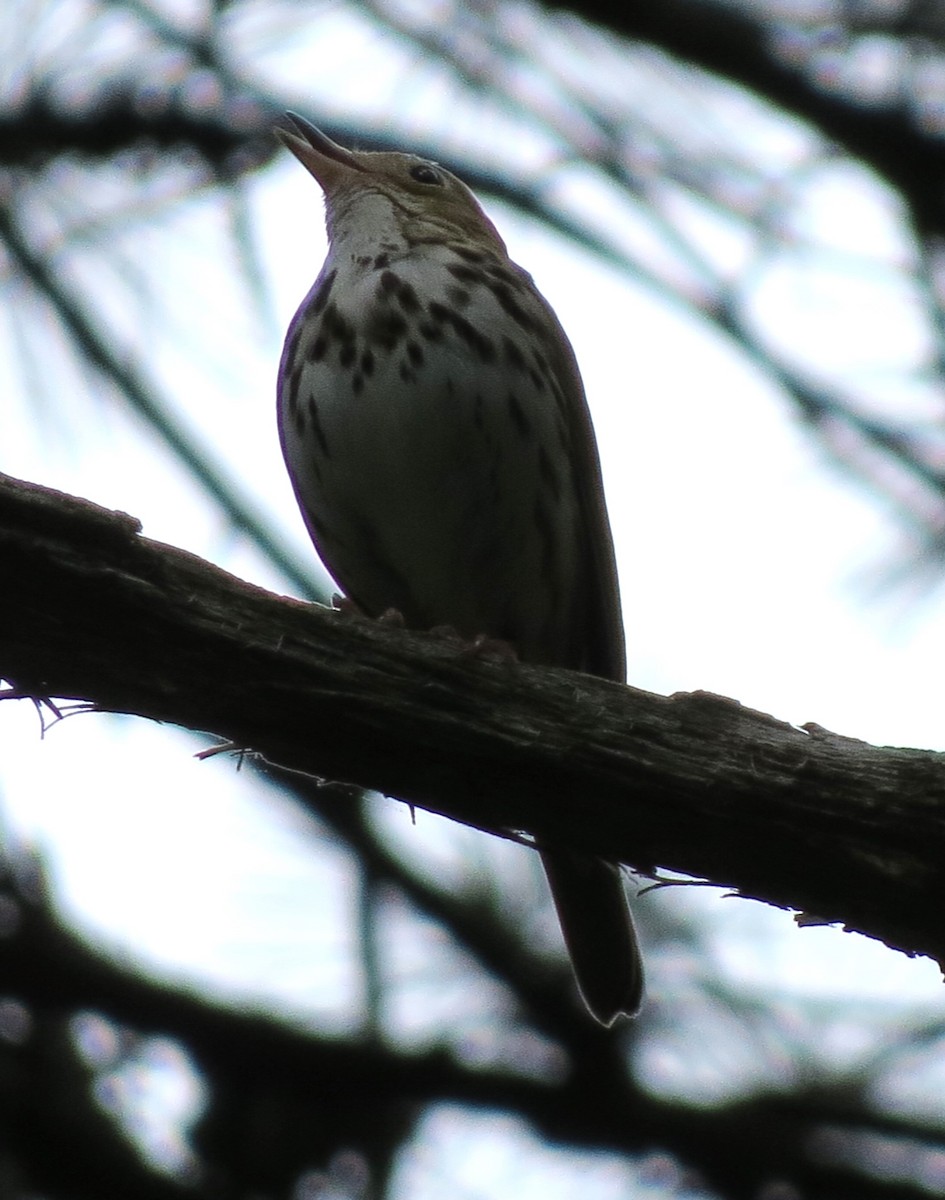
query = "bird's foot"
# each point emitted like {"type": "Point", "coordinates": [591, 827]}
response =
{"type": "Point", "coordinates": [497, 649]}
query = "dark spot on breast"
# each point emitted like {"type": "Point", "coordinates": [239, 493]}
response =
{"type": "Point", "coordinates": [464, 329]}
{"type": "Point", "coordinates": [415, 354]}
{"type": "Point", "coordinates": [367, 363]}
{"type": "Point", "coordinates": [464, 273]}
{"type": "Point", "coordinates": [517, 413]}
{"type": "Point", "coordinates": [347, 355]}
{"type": "Point", "coordinates": [510, 304]}
{"type": "Point", "coordinates": [556, 389]}
{"type": "Point", "coordinates": [336, 325]}
{"type": "Point", "coordinates": [512, 354]}
{"type": "Point", "coordinates": [537, 380]}
{"type": "Point", "coordinates": [548, 474]}
{"type": "Point", "coordinates": [381, 261]}
{"type": "Point", "coordinates": [320, 299]}
{"type": "Point", "coordinates": [384, 327]}
{"type": "Point", "coordinates": [292, 343]}
{"type": "Point", "coordinates": [391, 286]}
{"type": "Point", "coordinates": [406, 374]}
{"type": "Point", "coordinates": [357, 383]}
{"type": "Point", "coordinates": [458, 295]}
{"type": "Point", "coordinates": [316, 352]}
{"type": "Point", "coordinates": [298, 419]}
{"type": "Point", "coordinates": [291, 388]}
{"type": "Point", "coordinates": [317, 429]}
{"type": "Point", "coordinates": [407, 298]}
{"type": "Point", "coordinates": [431, 331]}
{"type": "Point", "coordinates": [506, 275]}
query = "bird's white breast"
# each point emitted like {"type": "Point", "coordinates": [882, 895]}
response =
{"type": "Point", "coordinates": [424, 431]}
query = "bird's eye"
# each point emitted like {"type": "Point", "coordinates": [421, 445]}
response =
{"type": "Point", "coordinates": [424, 173]}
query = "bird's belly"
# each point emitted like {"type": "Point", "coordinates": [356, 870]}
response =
{"type": "Point", "coordinates": [429, 487]}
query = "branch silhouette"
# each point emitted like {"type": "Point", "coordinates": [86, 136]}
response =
{"type": "Point", "coordinates": [696, 783]}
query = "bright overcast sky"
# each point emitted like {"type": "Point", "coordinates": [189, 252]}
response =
{"type": "Point", "coordinates": [743, 560]}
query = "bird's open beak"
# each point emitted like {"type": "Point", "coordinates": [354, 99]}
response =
{"type": "Point", "coordinates": [328, 162]}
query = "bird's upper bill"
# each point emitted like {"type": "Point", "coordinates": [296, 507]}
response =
{"type": "Point", "coordinates": [328, 162]}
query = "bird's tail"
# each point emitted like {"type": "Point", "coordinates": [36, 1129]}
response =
{"type": "Point", "coordinates": [598, 932]}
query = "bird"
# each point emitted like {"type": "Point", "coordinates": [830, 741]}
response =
{"type": "Point", "coordinates": [436, 432]}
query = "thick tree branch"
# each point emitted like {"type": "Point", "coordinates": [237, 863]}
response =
{"type": "Point", "coordinates": [91, 610]}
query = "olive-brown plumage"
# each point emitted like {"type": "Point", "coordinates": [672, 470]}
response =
{"type": "Point", "coordinates": [435, 428]}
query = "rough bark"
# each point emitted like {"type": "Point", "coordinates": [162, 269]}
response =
{"type": "Point", "coordinates": [92, 611]}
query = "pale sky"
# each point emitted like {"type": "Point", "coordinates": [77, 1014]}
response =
{"type": "Point", "coordinates": [741, 552]}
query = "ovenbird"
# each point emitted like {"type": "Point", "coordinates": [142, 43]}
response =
{"type": "Point", "coordinates": [434, 424]}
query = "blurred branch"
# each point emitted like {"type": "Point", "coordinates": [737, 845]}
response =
{"type": "Point", "coordinates": [542, 990]}
{"type": "Point", "coordinates": [749, 46]}
{"type": "Point", "coordinates": [51, 1127]}
{"type": "Point", "coordinates": [695, 783]}
{"type": "Point", "coordinates": [97, 350]}
{"type": "Point", "coordinates": [41, 131]}
{"type": "Point", "coordinates": [280, 1098]}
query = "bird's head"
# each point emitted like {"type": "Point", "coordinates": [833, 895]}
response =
{"type": "Point", "coordinates": [419, 199]}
